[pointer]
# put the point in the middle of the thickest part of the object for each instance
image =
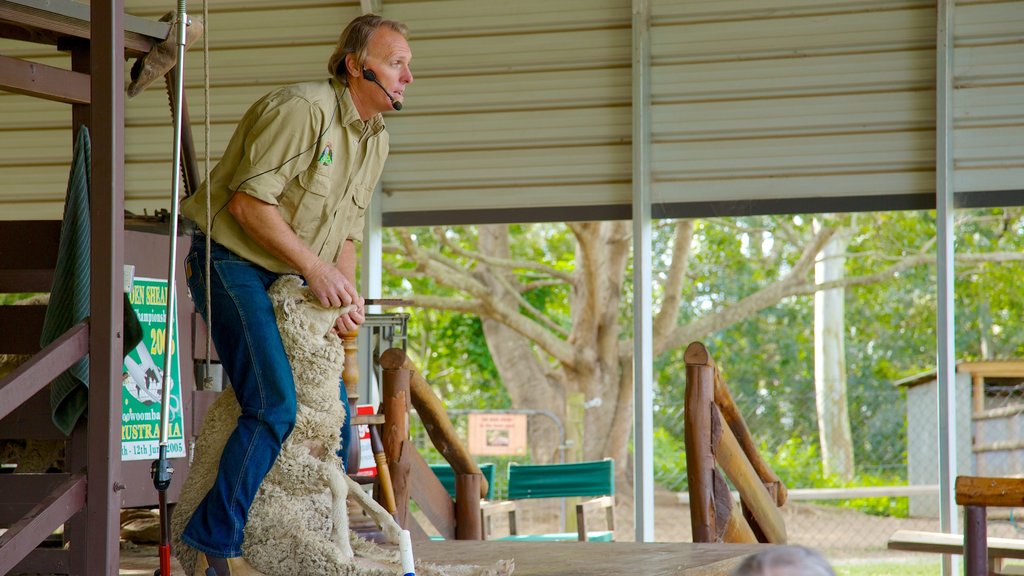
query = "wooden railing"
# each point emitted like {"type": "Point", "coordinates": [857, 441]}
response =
{"type": "Point", "coordinates": [717, 436]}
{"type": "Point", "coordinates": [404, 386]}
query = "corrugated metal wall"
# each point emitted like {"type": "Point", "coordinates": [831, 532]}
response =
{"type": "Point", "coordinates": [770, 99]}
{"type": "Point", "coordinates": [988, 101]}
{"type": "Point", "coordinates": [516, 104]}
{"type": "Point", "coordinates": [526, 104]}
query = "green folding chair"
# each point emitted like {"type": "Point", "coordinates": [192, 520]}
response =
{"type": "Point", "coordinates": [593, 479]}
{"type": "Point", "coordinates": [446, 475]}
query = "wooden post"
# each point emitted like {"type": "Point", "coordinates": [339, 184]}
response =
{"type": "Point", "coordinates": [697, 353]}
{"type": "Point", "coordinates": [396, 426]}
{"type": "Point", "coordinates": [442, 434]}
{"type": "Point", "coordinates": [467, 507]}
{"type": "Point", "coordinates": [700, 461]}
{"type": "Point", "coordinates": [975, 541]}
{"type": "Point", "coordinates": [350, 376]}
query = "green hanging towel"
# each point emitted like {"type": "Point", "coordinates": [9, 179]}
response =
{"type": "Point", "coordinates": [69, 296]}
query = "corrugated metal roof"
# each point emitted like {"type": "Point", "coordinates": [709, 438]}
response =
{"type": "Point", "coordinates": [527, 103]}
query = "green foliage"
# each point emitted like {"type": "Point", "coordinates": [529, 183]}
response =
{"type": "Point", "coordinates": [669, 460]}
{"type": "Point", "coordinates": [766, 358]}
{"type": "Point", "coordinates": [449, 348]}
{"type": "Point", "coordinates": [7, 299]}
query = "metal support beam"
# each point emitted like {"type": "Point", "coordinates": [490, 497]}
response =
{"type": "Point", "coordinates": [370, 6]}
{"type": "Point", "coordinates": [643, 347]}
{"type": "Point", "coordinates": [106, 286]}
{"type": "Point", "coordinates": [946, 343]}
{"type": "Point", "coordinates": [371, 274]}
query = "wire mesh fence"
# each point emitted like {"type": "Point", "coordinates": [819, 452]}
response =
{"type": "Point", "coordinates": [894, 437]}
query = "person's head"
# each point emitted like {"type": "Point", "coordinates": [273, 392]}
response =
{"type": "Point", "coordinates": [785, 561]}
{"type": "Point", "coordinates": [374, 43]}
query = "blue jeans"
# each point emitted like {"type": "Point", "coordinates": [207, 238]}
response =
{"type": "Point", "coordinates": [245, 334]}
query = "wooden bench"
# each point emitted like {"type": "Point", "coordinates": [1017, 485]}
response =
{"type": "Point", "coordinates": [942, 543]}
{"type": "Point", "coordinates": [999, 549]}
{"type": "Point", "coordinates": [975, 494]}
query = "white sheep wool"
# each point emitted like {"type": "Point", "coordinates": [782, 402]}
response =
{"type": "Point", "coordinates": [298, 523]}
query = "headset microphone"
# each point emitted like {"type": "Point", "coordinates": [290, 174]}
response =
{"type": "Point", "coordinates": [372, 77]}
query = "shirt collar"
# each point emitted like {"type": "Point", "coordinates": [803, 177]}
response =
{"type": "Point", "coordinates": [349, 114]}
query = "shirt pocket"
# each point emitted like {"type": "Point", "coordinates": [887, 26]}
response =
{"type": "Point", "coordinates": [361, 194]}
{"type": "Point", "coordinates": [312, 192]}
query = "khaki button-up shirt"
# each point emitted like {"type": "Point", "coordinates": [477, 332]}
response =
{"type": "Point", "coordinates": [304, 149]}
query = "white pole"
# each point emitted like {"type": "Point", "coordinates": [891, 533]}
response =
{"type": "Point", "coordinates": [643, 348]}
{"type": "Point", "coordinates": [946, 343]}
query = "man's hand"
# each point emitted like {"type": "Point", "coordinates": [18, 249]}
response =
{"type": "Point", "coordinates": [351, 320]}
{"type": "Point", "coordinates": [331, 287]}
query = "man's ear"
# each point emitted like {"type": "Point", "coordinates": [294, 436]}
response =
{"type": "Point", "coordinates": [352, 67]}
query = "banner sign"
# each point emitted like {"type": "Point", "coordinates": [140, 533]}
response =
{"type": "Point", "coordinates": [497, 434]}
{"type": "Point", "coordinates": [142, 379]}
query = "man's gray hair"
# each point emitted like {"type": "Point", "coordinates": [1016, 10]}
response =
{"type": "Point", "coordinates": [785, 561]}
{"type": "Point", "coordinates": [355, 39]}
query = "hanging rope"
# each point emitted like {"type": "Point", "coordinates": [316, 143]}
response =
{"type": "Point", "coordinates": [207, 379]}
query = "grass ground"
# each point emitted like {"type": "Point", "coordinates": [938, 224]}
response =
{"type": "Point", "coordinates": [922, 567]}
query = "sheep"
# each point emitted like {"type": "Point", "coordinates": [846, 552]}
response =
{"type": "Point", "coordinates": [298, 522]}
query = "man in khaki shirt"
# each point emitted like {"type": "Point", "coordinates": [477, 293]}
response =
{"type": "Point", "coordinates": [287, 197]}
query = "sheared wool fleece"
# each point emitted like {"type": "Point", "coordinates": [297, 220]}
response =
{"type": "Point", "coordinates": [298, 522]}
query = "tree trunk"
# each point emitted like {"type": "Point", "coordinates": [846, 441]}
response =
{"type": "Point", "coordinates": [603, 250]}
{"type": "Point", "coordinates": [830, 363]}
{"type": "Point", "coordinates": [518, 365]}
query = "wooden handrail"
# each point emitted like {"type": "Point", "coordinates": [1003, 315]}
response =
{"type": "Point", "coordinates": [716, 435]}
{"type": "Point", "coordinates": [61, 504]}
{"type": "Point", "coordinates": [697, 354]}
{"type": "Point", "coordinates": [46, 365]}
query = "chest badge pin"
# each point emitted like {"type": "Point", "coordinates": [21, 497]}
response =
{"type": "Point", "coordinates": [327, 156]}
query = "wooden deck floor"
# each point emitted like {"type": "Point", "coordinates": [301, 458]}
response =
{"type": "Point", "coordinates": [546, 558]}
{"type": "Point", "coordinates": [594, 558]}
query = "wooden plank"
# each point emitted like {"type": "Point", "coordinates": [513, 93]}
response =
{"type": "Point", "coordinates": [941, 543]}
{"type": "Point", "coordinates": [22, 328]}
{"type": "Point", "coordinates": [19, 493]}
{"type": "Point", "coordinates": [428, 492]}
{"type": "Point", "coordinates": [753, 493]}
{"type": "Point", "coordinates": [31, 377]}
{"type": "Point", "coordinates": [201, 402]}
{"type": "Point", "coordinates": [31, 420]}
{"type": "Point", "coordinates": [59, 18]}
{"type": "Point", "coordinates": [29, 245]}
{"type": "Point", "coordinates": [42, 81]}
{"type": "Point", "coordinates": [981, 491]}
{"type": "Point", "coordinates": [45, 561]}
{"type": "Point", "coordinates": [63, 502]}
{"type": "Point", "coordinates": [14, 281]}
{"type": "Point", "coordinates": [593, 558]}
{"type": "Point", "coordinates": [993, 368]}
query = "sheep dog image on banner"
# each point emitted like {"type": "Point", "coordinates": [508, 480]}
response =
{"type": "Point", "coordinates": [298, 523]}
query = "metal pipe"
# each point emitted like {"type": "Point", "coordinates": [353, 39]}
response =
{"type": "Point", "coordinates": [945, 341]}
{"type": "Point", "coordinates": [161, 471]}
